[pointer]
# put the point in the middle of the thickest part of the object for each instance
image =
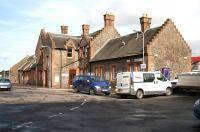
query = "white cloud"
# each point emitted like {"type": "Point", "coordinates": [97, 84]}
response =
{"type": "Point", "coordinates": [51, 14]}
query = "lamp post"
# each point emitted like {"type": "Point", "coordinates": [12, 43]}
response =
{"type": "Point", "coordinates": [143, 32]}
{"type": "Point", "coordinates": [49, 66]}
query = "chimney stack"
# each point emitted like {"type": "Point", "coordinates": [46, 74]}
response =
{"type": "Point", "coordinates": [145, 22]}
{"type": "Point", "coordinates": [64, 29]}
{"type": "Point", "coordinates": [85, 29]}
{"type": "Point", "coordinates": [109, 20]}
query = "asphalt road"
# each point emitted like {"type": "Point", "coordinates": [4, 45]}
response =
{"type": "Point", "coordinates": [45, 110]}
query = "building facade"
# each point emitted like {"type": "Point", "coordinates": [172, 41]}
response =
{"type": "Point", "coordinates": [163, 47]}
{"type": "Point", "coordinates": [59, 57]}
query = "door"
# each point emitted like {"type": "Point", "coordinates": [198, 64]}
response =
{"type": "Point", "coordinates": [161, 82]}
{"type": "Point", "coordinates": [45, 78]}
{"type": "Point", "coordinates": [72, 74]}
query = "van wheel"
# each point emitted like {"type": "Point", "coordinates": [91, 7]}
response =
{"type": "Point", "coordinates": [92, 91]}
{"type": "Point", "coordinates": [139, 94]}
{"type": "Point", "coordinates": [123, 96]}
{"type": "Point", "coordinates": [168, 91]}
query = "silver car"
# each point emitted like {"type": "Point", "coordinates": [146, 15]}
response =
{"type": "Point", "coordinates": [5, 84]}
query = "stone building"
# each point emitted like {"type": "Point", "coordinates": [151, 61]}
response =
{"type": "Point", "coordinates": [195, 62]}
{"type": "Point", "coordinates": [14, 73]}
{"type": "Point", "coordinates": [90, 44]}
{"type": "Point", "coordinates": [163, 47]}
{"type": "Point", "coordinates": [56, 58]}
{"type": "Point", "coordinates": [59, 57]}
{"type": "Point", "coordinates": [21, 72]}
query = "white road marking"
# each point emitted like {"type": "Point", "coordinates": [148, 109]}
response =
{"type": "Point", "coordinates": [52, 116]}
{"type": "Point", "coordinates": [74, 108]}
{"type": "Point", "coordinates": [83, 103]}
{"type": "Point", "coordinates": [24, 124]}
{"type": "Point", "coordinates": [55, 115]}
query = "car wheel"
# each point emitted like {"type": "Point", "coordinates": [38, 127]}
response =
{"type": "Point", "coordinates": [139, 94]}
{"type": "Point", "coordinates": [168, 91]}
{"type": "Point", "coordinates": [76, 90]}
{"type": "Point", "coordinates": [92, 91]}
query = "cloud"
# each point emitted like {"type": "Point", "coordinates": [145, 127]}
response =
{"type": "Point", "coordinates": [20, 29]}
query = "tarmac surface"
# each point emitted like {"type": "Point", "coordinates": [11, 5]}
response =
{"type": "Point", "coordinates": [61, 110]}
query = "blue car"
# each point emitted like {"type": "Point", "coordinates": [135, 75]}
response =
{"type": "Point", "coordinates": [197, 109]}
{"type": "Point", "coordinates": [91, 84]}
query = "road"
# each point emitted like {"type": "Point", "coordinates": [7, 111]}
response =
{"type": "Point", "coordinates": [51, 110]}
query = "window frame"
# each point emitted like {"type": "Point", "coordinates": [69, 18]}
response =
{"type": "Point", "coordinates": [69, 48]}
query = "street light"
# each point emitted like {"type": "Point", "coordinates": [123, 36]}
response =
{"type": "Point", "coordinates": [143, 32]}
{"type": "Point", "coordinates": [49, 65]}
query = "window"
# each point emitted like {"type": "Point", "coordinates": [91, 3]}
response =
{"type": "Point", "coordinates": [113, 72]}
{"type": "Point", "coordinates": [69, 52]}
{"type": "Point", "coordinates": [148, 77]}
{"type": "Point", "coordinates": [131, 67]}
{"type": "Point", "coordinates": [161, 77]}
{"type": "Point", "coordinates": [96, 71]}
{"type": "Point", "coordinates": [101, 72]}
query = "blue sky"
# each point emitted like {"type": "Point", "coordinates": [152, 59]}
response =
{"type": "Point", "coordinates": [22, 20]}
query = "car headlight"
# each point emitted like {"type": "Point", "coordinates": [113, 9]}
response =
{"type": "Point", "coordinates": [97, 87]}
{"type": "Point", "coordinates": [197, 102]}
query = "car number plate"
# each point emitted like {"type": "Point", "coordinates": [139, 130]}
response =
{"type": "Point", "coordinates": [3, 86]}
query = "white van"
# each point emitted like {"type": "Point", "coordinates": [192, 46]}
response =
{"type": "Point", "coordinates": [142, 83]}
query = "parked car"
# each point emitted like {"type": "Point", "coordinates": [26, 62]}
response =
{"type": "Point", "coordinates": [5, 84]}
{"type": "Point", "coordinates": [91, 84]}
{"type": "Point", "coordinates": [197, 109]}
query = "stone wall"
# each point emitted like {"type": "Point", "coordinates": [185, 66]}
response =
{"type": "Point", "coordinates": [98, 42]}
{"type": "Point", "coordinates": [169, 49]}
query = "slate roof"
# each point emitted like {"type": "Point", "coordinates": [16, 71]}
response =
{"type": "Point", "coordinates": [128, 45]}
{"type": "Point", "coordinates": [95, 33]}
{"type": "Point", "coordinates": [28, 64]}
{"type": "Point", "coordinates": [61, 39]}
{"type": "Point", "coordinates": [85, 40]}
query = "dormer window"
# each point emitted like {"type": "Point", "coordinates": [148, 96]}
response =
{"type": "Point", "coordinates": [69, 52]}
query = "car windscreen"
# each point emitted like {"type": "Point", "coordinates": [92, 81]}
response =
{"type": "Point", "coordinates": [4, 81]}
{"type": "Point", "coordinates": [98, 79]}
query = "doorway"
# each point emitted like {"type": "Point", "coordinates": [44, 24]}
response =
{"type": "Point", "coordinates": [72, 74]}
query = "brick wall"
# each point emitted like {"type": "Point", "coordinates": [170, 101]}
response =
{"type": "Point", "coordinates": [57, 63]}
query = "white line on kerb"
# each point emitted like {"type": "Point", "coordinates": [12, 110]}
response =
{"type": "Point", "coordinates": [74, 108]}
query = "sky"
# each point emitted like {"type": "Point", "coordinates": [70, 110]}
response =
{"type": "Point", "coordinates": [22, 20]}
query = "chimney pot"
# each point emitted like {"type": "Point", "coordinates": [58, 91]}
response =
{"type": "Point", "coordinates": [145, 22]}
{"type": "Point", "coordinates": [64, 29]}
{"type": "Point", "coordinates": [109, 19]}
{"type": "Point", "coordinates": [85, 29]}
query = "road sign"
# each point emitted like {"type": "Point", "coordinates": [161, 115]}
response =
{"type": "Point", "coordinates": [143, 66]}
